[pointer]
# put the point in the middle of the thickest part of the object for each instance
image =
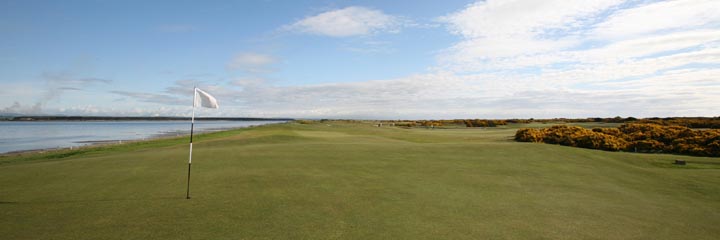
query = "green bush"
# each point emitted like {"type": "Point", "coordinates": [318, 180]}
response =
{"type": "Point", "coordinates": [640, 137]}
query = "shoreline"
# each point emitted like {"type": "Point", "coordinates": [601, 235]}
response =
{"type": "Point", "coordinates": [91, 144]}
{"type": "Point", "coordinates": [108, 142]}
{"type": "Point", "coordinates": [103, 118]}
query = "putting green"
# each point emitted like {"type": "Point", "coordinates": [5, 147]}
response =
{"type": "Point", "coordinates": [337, 180]}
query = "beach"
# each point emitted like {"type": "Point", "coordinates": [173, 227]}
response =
{"type": "Point", "coordinates": [16, 136]}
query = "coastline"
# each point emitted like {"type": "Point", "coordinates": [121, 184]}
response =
{"type": "Point", "coordinates": [90, 144]}
{"type": "Point", "coordinates": [98, 143]}
{"type": "Point", "coordinates": [111, 118]}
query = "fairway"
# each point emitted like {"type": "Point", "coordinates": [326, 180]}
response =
{"type": "Point", "coordinates": [342, 180]}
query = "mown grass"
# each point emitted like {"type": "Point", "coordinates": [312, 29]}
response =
{"type": "Point", "coordinates": [336, 180]}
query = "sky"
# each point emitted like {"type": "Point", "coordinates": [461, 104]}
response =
{"type": "Point", "coordinates": [362, 59]}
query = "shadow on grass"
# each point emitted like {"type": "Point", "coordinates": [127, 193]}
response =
{"type": "Point", "coordinates": [695, 164]}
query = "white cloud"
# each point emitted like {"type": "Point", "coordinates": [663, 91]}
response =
{"type": "Point", "coordinates": [521, 33]}
{"type": "Point", "coordinates": [592, 57]}
{"type": "Point", "coordinates": [660, 16]}
{"type": "Point", "coordinates": [522, 18]}
{"type": "Point", "coordinates": [349, 21]}
{"type": "Point", "coordinates": [252, 62]}
{"type": "Point", "coordinates": [495, 28]}
{"type": "Point", "coordinates": [249, 82]}
{"type": "Point", "coordinates": [648, 45]}
{"type": "Point", "coordinates": [627, 68]}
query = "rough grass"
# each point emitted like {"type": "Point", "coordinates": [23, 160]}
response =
{"type": "Point", "coordinates": [355, 181]}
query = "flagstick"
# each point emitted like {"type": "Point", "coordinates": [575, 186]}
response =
{"type": "Point", "coordinates": [192, 126]}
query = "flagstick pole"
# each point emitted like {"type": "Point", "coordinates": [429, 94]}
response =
{"type": "Point", "coordinates": [192, 126]}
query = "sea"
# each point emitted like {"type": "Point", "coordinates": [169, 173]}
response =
{"type": "Point", "coordinates": [35, 135]}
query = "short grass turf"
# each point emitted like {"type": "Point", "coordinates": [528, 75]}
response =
{"type": "Point", "coordinates": [337, 180]}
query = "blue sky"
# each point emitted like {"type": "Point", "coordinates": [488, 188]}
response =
{"type": "Point", "coordinates": [362, 59]}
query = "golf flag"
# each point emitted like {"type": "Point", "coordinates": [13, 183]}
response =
{"type": "Point", "coordinates": [205, 99]}
{"type": "Point", "coordinates": [200, 98]}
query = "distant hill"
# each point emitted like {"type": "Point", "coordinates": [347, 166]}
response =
{"type": "Point", "coordinates": [9, 115]}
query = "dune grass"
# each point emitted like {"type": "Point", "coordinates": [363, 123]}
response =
{"type": "Point", "coordinates": [336, 180]}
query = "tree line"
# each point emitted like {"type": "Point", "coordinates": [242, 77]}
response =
{"type": "Point", "coordinates": [638, 137]}
{"type": "Point", "coordinates": [691, 122]}
{"type": "Point", "coordinates": [453, 122]}
{"type": "Point", "coordinates": [697, 122]}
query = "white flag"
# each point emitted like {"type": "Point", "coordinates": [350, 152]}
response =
{"type": "Point", "coordinates": [205, 99]}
